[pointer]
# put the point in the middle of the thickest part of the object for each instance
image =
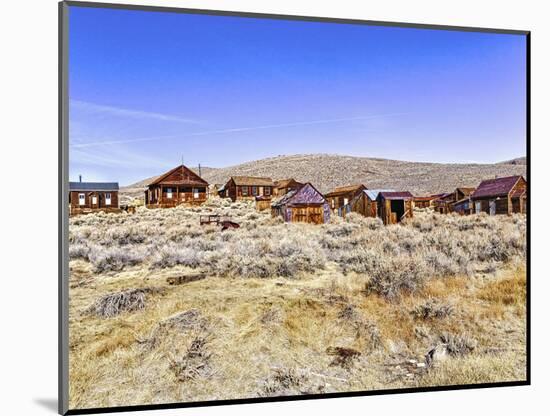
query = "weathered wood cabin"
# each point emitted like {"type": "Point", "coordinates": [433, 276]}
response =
{"type": "Point", "coordinates": [426, 201]}
{"type": "Point", "coordinates": [176, 187]}
{"type": "Point", "coordinates": [284, 186]}
{"type": "Point", "coordinates": [462, 207]}
{"type": "Point", "coordinates": [247, 188]}
{"type": "Point", "coordinates": [305, 204]}
{"type": "Point", "coordinates": [444, 204]}
{"type": "Point", "coordinates": [365, 203]}
{"type": "Point", "coordinates": [501, 196]}
{"type": "Point", "coordinates": [342, 195]}
{"type": "Point", "coordinates": [87, 197]}
{"type": "Point", "coordinates": [394, 207]}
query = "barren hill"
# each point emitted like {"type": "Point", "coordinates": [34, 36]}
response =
{"type": "Point", "coordinates": [328, 171]}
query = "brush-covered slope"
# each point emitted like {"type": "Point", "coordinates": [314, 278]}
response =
{"type": "Point", "coordinates": [329, 171]}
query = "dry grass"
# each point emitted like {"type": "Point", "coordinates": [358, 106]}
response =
{"type": "Point", "coordinates": [298, 326]}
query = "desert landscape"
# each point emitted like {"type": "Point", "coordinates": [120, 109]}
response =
{"type": "Point", "coordinates": [165, 310]}
{"type": "Point", "coordinates": [328, 171]}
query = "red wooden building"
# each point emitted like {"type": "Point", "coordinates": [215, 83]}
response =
{"type": "Point", "coordinates": [178, 186]}
{"type": "Point", "coordinates": [247, 188]}
{"type": "Point", "coordinates": [501, 196]}
{"type": "Point", "coordinates": [86, 197]}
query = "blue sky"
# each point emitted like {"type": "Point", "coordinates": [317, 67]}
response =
{"type": "Point", "coordinates": [147, 89]}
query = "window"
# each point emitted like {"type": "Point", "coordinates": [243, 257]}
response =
{"type": "Point", "coordinates": [81, 199]}
{"type": "Point", "coordinates": [169, 193]}
{"type": "Point", "coordinates": [94, 200]}
{"type": "Point", "coordinates": [345, 201]}
{"type": "Point", "coordinates": [254, 190]}
{"type": "Point", "coordinates": [332, 203]}
{"type": "Point", "coordinates": [196, 193]}
{"type": "Point", "coordinates": [107, 198]}
{"type": "Point", "coordinates": [478, 207]}
{"type": "Point", "coordinates": [245, 190]}
{"type": "Point", "coordinates": [267, 191]}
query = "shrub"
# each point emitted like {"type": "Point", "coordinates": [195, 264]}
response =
{"type": "Point", "coordinates": [105, 259]}
{"type": "Point", "coordinates": [391, 276]}
{"type": "Point", "coordinates": [113, 304]}
{"type": "Point", "coordinates": [432, 309]}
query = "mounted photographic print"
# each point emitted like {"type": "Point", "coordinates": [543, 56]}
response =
{"type": "Point", "coordinates": [262, 208]}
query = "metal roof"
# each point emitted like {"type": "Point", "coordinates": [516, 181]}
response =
{"type": "Point", "coordinates": [495, 187]}
{"type": "Point", "coordinates": [396, 195]}
{"type": "Point", "coordinates": [373, 193]}
{"type": "Point", "coordinates": [341, 190]}
{"type": "Point", "coordinates": [93, 186]}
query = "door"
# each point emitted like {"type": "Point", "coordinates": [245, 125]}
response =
{"type": "Point", "coordinates": [94, 201]}
{"type": "Point", "coordinates": [108, 198]}
{"type": "Point", "coordinates": [81, 199]}
{"type": "Point", "coordinates": [478, 207]}
{"type": "Point", "coordinates": [492, 207]}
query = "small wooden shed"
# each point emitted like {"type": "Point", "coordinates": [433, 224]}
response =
{"type": "Point", "coordinates": [501, 196]}
{"type": "Point", "coordinates": [342, 195]}
{"type": "Point", "coordinates": [87, 197]}
{"type": "Point", "coordinates": [263, 203]}
{"type": "Point", "coordinates": [463, 207]}
{"type": "Point", "coordinates": [305, 204]}
{"type": "Point", "coordinates": [365, 203]}
{"type": "Point", "coordinates": [444, 204]}
{"type": "Point", "coordinates": [394, 207]}
{"type": "Point", "coordinates": [426, 201]}
{"type": "Point", "coordinates": [178, 186]}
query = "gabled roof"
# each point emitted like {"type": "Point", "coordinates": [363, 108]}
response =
{"type": "Point", "coordinates": [373, 193]}
{"type": "Point", "coordinates": [496, 187]}
{"type": "Point", "coordinates": [341, 190]}
{"type": "Point", "coordinates": [93, 186]}
{"type": "Point", "coordinates": [396, 195]}
{"type": "Point", "coordinates": [284, 183]}
{"type": "Point", "coordinates": [252, 181]}
{"type": "Point", "coordinates": [305, 194]}
{"type": "Point", "coordinates": [445, 196]}
{"type": "Point", "coordinates": [465, 190]}
{"type": "Point", "coordinates": [189, 178]}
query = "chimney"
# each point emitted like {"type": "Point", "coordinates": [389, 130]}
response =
{"type": "Point", "coordinates": [200, 170]}
{"type": "Point", "coordinates": [79, 178]}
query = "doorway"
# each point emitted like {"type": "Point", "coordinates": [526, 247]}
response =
{"type": "Point", "coordinates": [397, 207]}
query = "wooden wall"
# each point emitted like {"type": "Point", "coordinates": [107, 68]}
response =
{"type": "Point", "coordinates": [88, 195]}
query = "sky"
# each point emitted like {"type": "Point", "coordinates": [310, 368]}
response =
{"type": "Point", "coordinates": [150, 89]}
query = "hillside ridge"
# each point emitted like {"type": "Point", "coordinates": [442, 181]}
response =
{"type": "Point", "coordinates": [327, 171]}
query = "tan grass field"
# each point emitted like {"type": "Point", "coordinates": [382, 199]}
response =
{"type": "Point", "coordinates": [287, 309]}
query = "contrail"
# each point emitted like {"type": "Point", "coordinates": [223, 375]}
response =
{"type": "Point", "coordinates": [239, 129]}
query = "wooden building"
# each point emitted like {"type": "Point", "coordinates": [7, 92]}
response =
{"type": "Point", "coordinates": [305, 204]}
{"type": "Point", "coordinates": [426, 201]}
{"type": "Point", "coordinates": [501, 196]}
{"type": "Point", "coordinates": [462, 207]}
{"type": "Point", "coordinates": [247, 188]}
{"type": "Point", "coordinates": [176, 187]}
{"type": "Point", "coordinates": [444, 204]}
{"type": "Point", "coordinates": [87, 197]}
{"type": "Point", "coordinates": [263, 203]}
{"type": "Point", "coordinates": [343, 195]}
{"type": "Point", "coordinates": [365, 203]}
{"type": "Point", "coordinates": [284, 186]}
{"type": "Point", "coordinates": [394, 207]}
